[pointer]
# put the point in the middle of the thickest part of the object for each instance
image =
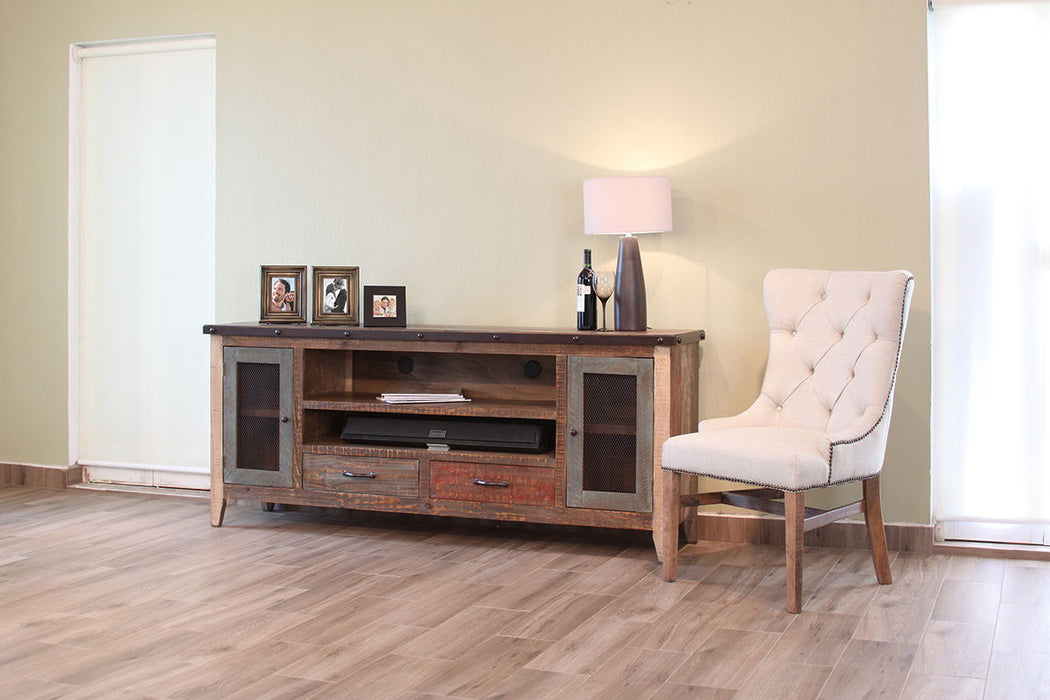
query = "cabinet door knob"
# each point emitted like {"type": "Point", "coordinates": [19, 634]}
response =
{"type": "Point", "coordinates": [284, 419]}
{"type": "Point", "coordinates": [574, 432]}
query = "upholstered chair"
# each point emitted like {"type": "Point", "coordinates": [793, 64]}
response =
{"type": "Point", "coordinates": [822, 418]}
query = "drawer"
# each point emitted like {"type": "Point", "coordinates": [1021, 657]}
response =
{"type": "Point", "coordinates": [491, 483]}
{"type": "Point", "coordinates": [386, 477]}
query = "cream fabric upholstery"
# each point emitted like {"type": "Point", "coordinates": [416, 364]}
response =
{"type": "Point", "coordinates": [824, 412]}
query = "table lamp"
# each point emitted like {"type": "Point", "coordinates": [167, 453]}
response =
{"type": "Point", "coordinates": [625, 206]}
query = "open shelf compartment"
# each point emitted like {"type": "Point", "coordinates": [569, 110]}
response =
{"type": "Point", "coordinates": [498, 386]}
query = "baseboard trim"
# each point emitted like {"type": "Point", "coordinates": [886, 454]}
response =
{"type": "Point", "coordinates": [994, 549]}
{"type": "Point", "coordinates": [166, 491]}
{"type": "Point", "coordinates": [38, 476]}
{"type": "Point", "coordinates": [848, 534]}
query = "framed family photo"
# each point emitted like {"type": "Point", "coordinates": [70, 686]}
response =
{"type": "Point", "coordinates": [335, 296]}
{"type": "Point", "coordinates": [283, 294]}
{"type": "Point", "coordinates": [384, 306]}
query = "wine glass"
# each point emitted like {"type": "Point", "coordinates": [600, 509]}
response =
{"type": "Point", "coordinates": [604, 282]}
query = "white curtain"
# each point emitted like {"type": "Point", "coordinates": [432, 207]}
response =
{"type": "Point", "coordinates": [146, 131]}
{"type": "Point", "coordinates": [990, 170]}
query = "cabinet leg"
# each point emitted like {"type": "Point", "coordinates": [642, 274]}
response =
{"type": "Point", "coordinates": [218, 507]}
{"type": "Point", "coordinates": [666, 513]}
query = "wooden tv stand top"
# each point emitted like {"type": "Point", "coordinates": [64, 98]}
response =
{"type": "Point", "coordinates": [462, 334]}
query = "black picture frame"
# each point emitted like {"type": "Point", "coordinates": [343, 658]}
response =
{"type": "Point", "coordinates": [384, 306]}
{"type": "Point", "coordinates": [344, 283]}
{"type": "Point", "coordinates": [292, 279]}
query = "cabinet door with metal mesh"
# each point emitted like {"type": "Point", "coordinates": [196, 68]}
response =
{"type": "Point", "coordinates": [609, 456]}
{"type": "Point", "coordinates": [258, 430]}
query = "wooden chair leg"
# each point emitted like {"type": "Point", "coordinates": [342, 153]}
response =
{"type": "Point", "coordinates": [876, 530]}
{"type": "Point", "coordinates": [794, 512]}
{"type": "Point", "coordinates": [672, 509]}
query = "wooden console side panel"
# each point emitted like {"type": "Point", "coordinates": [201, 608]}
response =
{"type": "Point", "coordinates": [218, 496]}
{"type": "Point", "coordinates": [676, 385]}
{"type": "Point", "coordinates": [685, 415]}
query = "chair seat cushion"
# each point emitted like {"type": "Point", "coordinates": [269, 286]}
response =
{"type": "Point", "coordinates": [790, 459]}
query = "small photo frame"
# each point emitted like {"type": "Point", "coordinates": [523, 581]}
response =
{"type": "Point", "coordinates": [283, 298]}
{"type": "Point", "coordinates": [384, 306]}
{"type": "Point", "coordinates": [335, 296]}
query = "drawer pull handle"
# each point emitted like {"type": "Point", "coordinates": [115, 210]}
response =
{"type": "Point", "coordinates": [500, 484]}
{"type": "Point", "coordinates": [353, 475]}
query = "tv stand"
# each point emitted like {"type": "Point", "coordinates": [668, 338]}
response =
{"type": "Point", "coordinates": [281, 395]}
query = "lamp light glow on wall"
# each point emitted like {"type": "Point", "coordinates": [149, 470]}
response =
{"type": "Point", "coordinates": [624, 206]}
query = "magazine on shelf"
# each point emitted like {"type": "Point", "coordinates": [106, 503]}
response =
{"type": "Point", "coordinates": [422, 398]}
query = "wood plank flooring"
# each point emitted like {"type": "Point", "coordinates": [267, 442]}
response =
{"type": "Point", "coordinates": [106, 595]}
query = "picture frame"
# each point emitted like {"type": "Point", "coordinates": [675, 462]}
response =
{"type": "Point", "coordinates": [335, 299]}
{"type": "Point", "coordinates": [384, 306]}
{"type": "Point", "coordinates": [283, 294]}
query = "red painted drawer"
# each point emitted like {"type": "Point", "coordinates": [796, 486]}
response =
{"type": "Point", "coordinates": [491, 483]}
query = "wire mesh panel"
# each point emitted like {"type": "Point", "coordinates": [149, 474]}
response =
{"type": "Point", "coordinates": [610, 424]}
{"type": "Point", "coordinates": [257, 416]}
{"type": "Point", "coordinates": [609, 446]}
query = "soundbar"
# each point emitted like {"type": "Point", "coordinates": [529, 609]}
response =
{"type": "Point", "coordinates": [450, 433]}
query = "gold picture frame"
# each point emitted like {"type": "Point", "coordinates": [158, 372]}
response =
{"type": "Point", "coordinates": [336, 298]}
{"type": "Point", "coordinates": [283, 294]}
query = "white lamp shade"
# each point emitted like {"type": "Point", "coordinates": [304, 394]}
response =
{"type": "Point", "coordinates": [619, 205]}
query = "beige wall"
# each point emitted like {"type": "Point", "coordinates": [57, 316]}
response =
{"type": "Point", "coordinates": [440, 144]}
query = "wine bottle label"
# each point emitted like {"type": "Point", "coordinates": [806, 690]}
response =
{"type": "Point", "coordinates": [582, 290]}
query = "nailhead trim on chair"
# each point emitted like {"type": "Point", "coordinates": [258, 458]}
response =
{"type": "Point", "coordinates": [889, 394]}
{"type": "Point", "coordinates": [778, 487]}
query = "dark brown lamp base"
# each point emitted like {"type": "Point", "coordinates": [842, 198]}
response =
{"type": "Point", "coordinates": [630, 287]}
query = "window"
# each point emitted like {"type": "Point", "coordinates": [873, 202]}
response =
{"type": "Point", "coordinates": [990, 173]}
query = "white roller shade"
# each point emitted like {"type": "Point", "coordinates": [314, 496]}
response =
{"type": "Point", "coordinates": [146, 252]}
{"type": "Point", "coordinates": [990, 172]}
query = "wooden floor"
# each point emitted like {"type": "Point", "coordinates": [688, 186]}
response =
{"type": "Point", "coordinates": [123, 596]}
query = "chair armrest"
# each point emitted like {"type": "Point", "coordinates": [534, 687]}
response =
{"type": "Point", "coordinates": [858, 429]}
{"type": "Point", "coordinates": [858, 451]}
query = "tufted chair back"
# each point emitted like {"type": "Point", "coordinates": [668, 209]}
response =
{"type": "Point", "coordinates": [834, 345]}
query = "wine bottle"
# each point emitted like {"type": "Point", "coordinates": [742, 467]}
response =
{"type": "Point", "coordinates": [586, 301]}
